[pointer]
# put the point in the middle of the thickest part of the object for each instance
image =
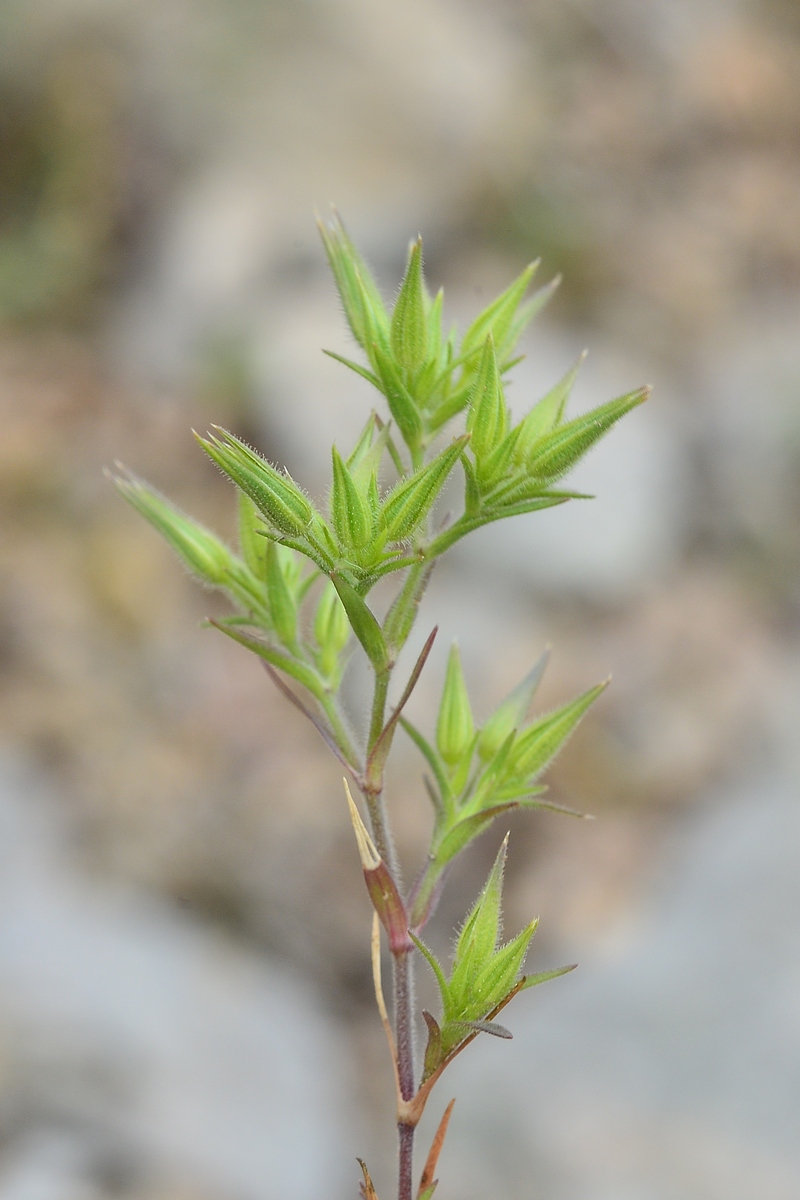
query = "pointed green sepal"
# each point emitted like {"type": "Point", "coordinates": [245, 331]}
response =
{"type": "Point", "coordinates": [500, 973]}
{"type": "Point", "coordinates": [350, 513]}
{"type": "Point", "coordinates": [481, 930]}
{"type": "Point", "coordinates": [408, 504]}
{"type": "Point", "coordinates": [553, 455]}
{"type": "Point", "coordinates": [537, 745]}
{"type": "Point", "coordinates": [512, 712]}
{"type": "Point", "coordinates": [360, 297]}
{"type": "Point", "coordinates": [488, 417]}
{"type": "Point", "coordinates": [455, 728]}
{"type": "Point", "coordinates": [547, 414]}
{"type": "Point", "coordinates": [400, 401]}
{"type": "Point", "coordinates": [408, 335]}
{"type": "Point", "coordinates": [530, 981]}
{"type": "Point", "coordinates": [498, 318]}
{"type": "Point", "coordinates": [524, 315]}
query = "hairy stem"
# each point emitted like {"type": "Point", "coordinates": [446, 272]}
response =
{"type": "Point", "coordinates": [340, 732]}
{"type": "Point", "coordinates": [404, 1040]}
{"type": "Point", "coordinates": [405, 1186]}
{"type": "Point", "coordinates": [378, 714]}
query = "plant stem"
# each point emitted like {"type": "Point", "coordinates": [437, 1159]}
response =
{"type": "Point", "coordinates": [378, 705]}
{"type": "Point", "coordinates": [404, 1040]}
{"type": "Point", "coordinates": [405, 1186]}
{"type": "Point", "coordinates": [338, 728]}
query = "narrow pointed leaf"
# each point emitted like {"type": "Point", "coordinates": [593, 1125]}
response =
{"type": "Point", "coordinates": [284, 662]}
{"type": "Point", "coordinates": [491, 1027]}
{"type": "Point", "coordinates": [380, 751]}
{"type": "Point", "coordinates": [459, 836]}
{"type": "Point", "coordinates": [530, 981]}
{"type": "Point", "coordinates": [433, 963]}
{"type": "Point", "coordinates": [364, 372]}
{"type": "Point", "coordinates": [363, 622]}
{"type": "Point", "coordinates": [321, 728]}
{"type": "Point", "coordinates": [428, 752]}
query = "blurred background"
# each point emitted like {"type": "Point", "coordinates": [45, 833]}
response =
{"type": "Point", "coordinates": [185, 1004]}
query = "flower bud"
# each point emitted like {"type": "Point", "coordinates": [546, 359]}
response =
{"type": "Point", "coordinates": [276, 495]}
{"type": "Point", "coordinates": [455, 728]}
{"type": "Point", "coordinates": [408, 504]}
{"type": "Point", "coordinates": [202, 552]}
{"type": "Point", "coordinates": [488, 418]}
{"type": "Point", "coordinates": [350, 513]}
{"type": "Point", "coordinates": [408, 334]}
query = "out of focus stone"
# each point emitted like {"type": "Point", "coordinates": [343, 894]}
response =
{"type": "Point", "coordinates": [137, 1041]}
{"type": "Point", "coordinates": [667, 1066]}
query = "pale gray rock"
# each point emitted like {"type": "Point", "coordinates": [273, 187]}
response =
{"type": "Point", "coordinates": [668, 1066]}
{"type": "Point", "coordinates": [135, 1036]}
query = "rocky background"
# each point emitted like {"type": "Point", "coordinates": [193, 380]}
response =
{"type": "Point", "coordinates": [185, 1007]}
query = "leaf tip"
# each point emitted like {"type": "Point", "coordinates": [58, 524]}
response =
{"type": "Point", "coordinates": [370, 859]}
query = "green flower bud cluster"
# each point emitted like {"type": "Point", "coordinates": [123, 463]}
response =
{"type": "Point", "coordinates": [484, 976]}
{"type": "Point", "coordinates": [426, 379]}
{"type": "Point", "coordinates": [478, 774]}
